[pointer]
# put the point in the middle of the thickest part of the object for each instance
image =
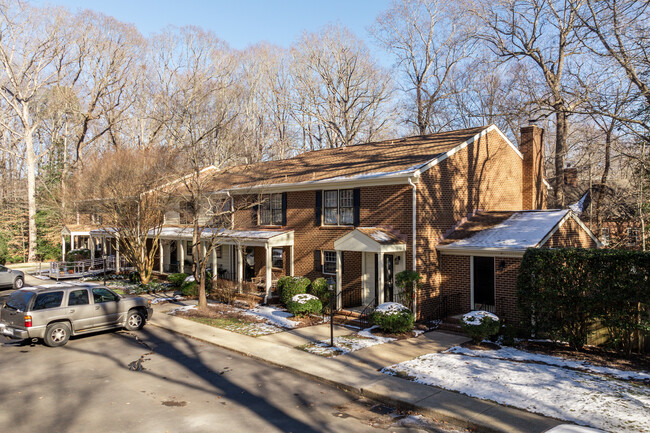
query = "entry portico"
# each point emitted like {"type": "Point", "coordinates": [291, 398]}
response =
{"type": "Point", "coordinates": [383, 254]}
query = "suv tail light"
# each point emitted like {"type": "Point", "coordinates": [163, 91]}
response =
{"type": "Point", "coordinates": [28, 321]}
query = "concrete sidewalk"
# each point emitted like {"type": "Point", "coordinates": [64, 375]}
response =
{"type": "Point", "coordinates": [358, 372]}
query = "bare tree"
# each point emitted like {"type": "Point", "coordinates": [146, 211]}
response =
{"type": "Point", "coordinates": [544, 33]}
{"type": "Point", "coordinates": [428, 38]}
{"type": "Point", "coordinates": [34, 56]}
{"type": "Point", "coordinates": [125, 186]}
{"type": "Point", "coordinates": [343, 95]}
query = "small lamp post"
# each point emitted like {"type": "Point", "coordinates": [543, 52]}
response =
{"type": "Point", "coordinates": [332, 293]}
{"type": "Point", "coordinates": [104, 267]}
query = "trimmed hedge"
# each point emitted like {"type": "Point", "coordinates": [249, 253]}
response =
{"type": "Point", "coordinates": [304, 304]}
{"type": "Point", "coordinates": [393, 318]}
{"type": "Point", "coordinates": [561, 292]}
{"type": "Point", "coordinates": [288, 287]}
{"type": "Point", "coordinates": [177, 280]}
{"type": "Point", "coordinates": [318, 288]}
{"type": "Point", "coordinates": [480, 325]}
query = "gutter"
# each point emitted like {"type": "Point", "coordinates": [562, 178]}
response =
{"type": "Point", "coordinates": [414, 234]}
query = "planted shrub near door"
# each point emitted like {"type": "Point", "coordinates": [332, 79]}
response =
{"type": "Point", "coordinates": [177, 280]}
{"type": "Point", "coordinates": [393, 318]}
{"type": "Point", "coordinates": [304, 304]}
{"type": "Point", "coordinates": [288, 287]}
{"type": "Point", "coordinates": [480, 325]}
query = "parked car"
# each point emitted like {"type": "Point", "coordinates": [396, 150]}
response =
{"type": "Point", "coordinates": [54, 313]}
{"type": "Point", "coordinates": [11, 278]}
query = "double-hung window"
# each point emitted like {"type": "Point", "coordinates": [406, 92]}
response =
{"type": "Point", "coordinates": [604, 235]}
{"type": "Point", "coordinates": [632, 236]}
{"type": "Point", "coordinates": [338, 207]}
{"type": "Point", "coordinates": [271, 210]}
{"type": "Point", "coordinates": [329, 262]}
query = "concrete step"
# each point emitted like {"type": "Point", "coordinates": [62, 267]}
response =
{"type": "Point", "coordinates": [451, 327]}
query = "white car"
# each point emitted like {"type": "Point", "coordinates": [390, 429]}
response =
{"type": "Point", "coordinates": [11, 278]}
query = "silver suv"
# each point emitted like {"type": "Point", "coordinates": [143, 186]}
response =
{"type": "Point", "coordinates": [56, 312]}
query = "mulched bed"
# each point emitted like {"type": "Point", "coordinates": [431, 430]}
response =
{"type": "Point", "coordinates": [591, 354]}
{"type": "Point", "coordinates": [216, 311]}
{"type": "Point", "coordinates": [401, 336]}
{"type": "Point", "coordinates": [480, 346]}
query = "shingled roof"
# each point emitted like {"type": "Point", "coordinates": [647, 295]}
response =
{"type": "Point", "coordinates": [360, 161]}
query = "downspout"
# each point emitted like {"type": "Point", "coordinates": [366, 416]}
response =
{"type": "Point", "coordinates": [413, 236]}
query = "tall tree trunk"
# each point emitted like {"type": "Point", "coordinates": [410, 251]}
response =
{"type": "Point", "coordinates": [603, 179]}
{"type": "Point", "coordinates": [560, 154]}
{"type": "Point", "coordinates": [31, 184]}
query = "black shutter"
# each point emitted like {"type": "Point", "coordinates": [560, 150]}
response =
{"type": "Point", "coordinates": [284, 208]}
{"type": "Point", "coordinates": [318, 265]}
{"type": "Point", "coordinates": [342, 262]}
{"type": "Point", "coordinates": [318, 208]}
{"type": "Point", "coordinates": [357, 206]}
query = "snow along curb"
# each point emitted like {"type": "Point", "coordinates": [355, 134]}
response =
{"type": "Point", "coordinates": [375, 380]}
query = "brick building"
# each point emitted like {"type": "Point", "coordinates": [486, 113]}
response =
{"type": "Point", "coordinates": [361, 214]}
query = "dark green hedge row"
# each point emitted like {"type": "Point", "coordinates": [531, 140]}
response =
{"type": "Point", "coordinates": [561, 292]}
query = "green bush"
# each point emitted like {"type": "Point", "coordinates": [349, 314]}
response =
{"type": "Point", "coordinates": [177, 280]}
{"type": "Point", "coordinates": [480, 325]}
{"type": "Point", "coordinates": [318, 288]}
{"type": "Point", "coordinates": [78, 255]}
{"type": "Point", "coordinates": [304, 304]}
{"type": "Point", "coordinates": [288, 287]}
{"type": "Point", "coordinates": [408, 282]}
{"type": "Point", "coordinates": [190, 288]}
{"type": "Point", "coordinates": [134, 277]}
{"type": "Point", "coordinates": [562, 292]}
{"type": "Point", "coordinates": [393, 318]}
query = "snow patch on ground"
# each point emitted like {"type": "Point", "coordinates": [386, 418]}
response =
{"type": "Point", "coordinates": [180, 309]}
{"type": "Point", "coordinates": [510, 353]}
{"type": "Point", "coordinates": [346, 343]}
{"type": "Point", "coordinates": [274, 315]}
{"type": "Point", "coordinates": [390, 308]}
{"type": "Point", "coordinates": [167, 299]}
{"type": "Point", "coordinates": [519, 380]}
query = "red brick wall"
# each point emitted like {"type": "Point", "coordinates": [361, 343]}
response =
{"type": "Point", "coordinates": [456, 285]}
{"type": "Point", "coordinates": [486, 176]}
{"type": "Point", "coordinates": [570, 235]}
{"type": "Point", "coordinates": [387, 206]}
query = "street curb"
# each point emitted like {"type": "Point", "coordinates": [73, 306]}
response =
{"type": "Point", "coordinates": [458, 421]}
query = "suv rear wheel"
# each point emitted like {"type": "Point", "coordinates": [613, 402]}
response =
{"type": "Point", "coordinates": [57, 334]}
{"type": "Point", "coordinates": [134, 320]}
{"type": "Point", "coordinates": [19, 283]}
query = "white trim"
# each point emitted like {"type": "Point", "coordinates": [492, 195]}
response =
{"type": "Point", "coordinates": [337, 183]}
{"type": "Point", "coordinates": [463, 145]}
{"type": "Point", "coordinates": [356, 240]}
{"type": "Point", "coordinates": [483, 252]}
{"type": "Point", "coordinates": [548, 185]}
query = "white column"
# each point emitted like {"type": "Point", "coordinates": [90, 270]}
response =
{"type": "Point", "coordinates": [364, 281]}
{"type": "Point", "coordinates": [181, 260]}
{"type": "Point", "coordinates": [71, 242]}
{"type": "Point", "coordinates": [92, 249]}
{"type": "Point", "coordinates": [291, 261]}
{"type": "Point", "coordinates": [178, 254]}
{"type": "Point", "coordinates": [380, 277]}
{"type": "Point", "coordinates": [214, 261]}
{"type": "Point", "coordinates": [104, 245]}
{"type": "Point", "coordinates": [269, 274]}
{"type": "Point", "coordinates": [339, 278]}
{"type": "Point", "coordinates": [62, 247]}
{"type": "Point", "coordinates": [162, 255]}
{"type": "Point", "coordinates": [117, 255]}
{"type": "Point", "coordinates": [240, 266]}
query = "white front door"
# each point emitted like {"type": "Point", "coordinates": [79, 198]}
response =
{"type": "Point", "coordinates": [369, 278]}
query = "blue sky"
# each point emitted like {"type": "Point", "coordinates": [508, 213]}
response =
{"type": "Point", "coordinates": [240, 22]}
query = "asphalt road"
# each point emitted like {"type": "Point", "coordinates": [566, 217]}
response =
{"type": "Point", "coordinates": [157, 381]}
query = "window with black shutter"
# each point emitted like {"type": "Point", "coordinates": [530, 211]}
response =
{"type": "Point", "coordinates": [271, 210]}
{"type": "Point", "coordinates": [341, 207]}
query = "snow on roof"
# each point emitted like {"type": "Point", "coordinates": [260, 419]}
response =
{"type": "Point", "coordinates": [380, 235]}
{"type": "Point", "coordinates": [520, 231]}
{"type": "Point", "coordinates": [209, 232]}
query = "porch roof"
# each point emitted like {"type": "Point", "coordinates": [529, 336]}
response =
{"type": "Point", "coordinates": [78, 229]}
{"type": "Point", "coordinates": [370, 239]}
{"type": "Point", "coordinates": [226, 236]}
{"type": "Point", "coordinates": [504, 231]}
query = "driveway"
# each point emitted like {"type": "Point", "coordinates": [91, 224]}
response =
{"type": "Point", "coordinates": [154, 380]}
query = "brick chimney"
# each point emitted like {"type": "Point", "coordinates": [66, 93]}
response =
{"type": "Point", "coordinates": [571, 176]}
{"type": "Point", "coordinates": [533, 189]}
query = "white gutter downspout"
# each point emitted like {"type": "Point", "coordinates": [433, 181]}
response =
{"type": "Point", "coordinates": [413, 236]}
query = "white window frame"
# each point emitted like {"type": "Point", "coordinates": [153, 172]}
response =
{"type": "Point", "coordinates": [631, 230]}
{"type": "Point", "coordinates": [271, 209]}
{"type": "Point", "coordinates": [274, 249]}
{"type": "Point", "coordinates": [338, 207]}
{"type": "Point", "coordinates": [605, 235]}
{"type": "Point", "coordinates": [323, 255]}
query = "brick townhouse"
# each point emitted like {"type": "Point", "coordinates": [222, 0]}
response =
{"type": "Point", "coordinates": [443, 204]}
